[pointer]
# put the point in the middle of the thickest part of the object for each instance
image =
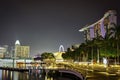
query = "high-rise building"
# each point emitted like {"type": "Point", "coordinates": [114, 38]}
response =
{"type": "Point", "coordinates": [21, 51]}
{"type": "Point", "coordinates": [100, 27]}
{"type": "Point", "coordinates": [4, 51]}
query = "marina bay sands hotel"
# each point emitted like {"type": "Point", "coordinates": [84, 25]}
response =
{"type": "Point", "coordinates": [100, 27]}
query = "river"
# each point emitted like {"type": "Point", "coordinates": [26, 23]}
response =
{"type": "Point", "coordinates": [14, 75]}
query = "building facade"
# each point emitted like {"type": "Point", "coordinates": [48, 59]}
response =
{"type": "Point", "coordinates": [21, 51]}
{"type": "Point", "coordinates": [4, 51]}
{"type": "Point", "coordinates": [100, 27]}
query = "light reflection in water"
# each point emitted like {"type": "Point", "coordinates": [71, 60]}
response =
{"type": "Point", "coordinates": [0, 74]}
{"type": "Point", "coordinates": [13, 75]}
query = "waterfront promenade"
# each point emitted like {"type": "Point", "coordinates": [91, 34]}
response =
{"type": "Point", "coordinates": [50, 72]}
{"type": "Point", "coordinates": [97, 71]}
{"type": "Point", "coordinates": [14, 69]}
{"type": "Point", "coordinates": [88, 71]}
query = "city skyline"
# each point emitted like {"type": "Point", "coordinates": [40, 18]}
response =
{"type": "Point", "coordinates": [45, 25]}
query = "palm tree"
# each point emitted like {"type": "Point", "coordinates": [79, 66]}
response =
{"type": "Point", "coordinates": [98, 44]}
{"type": "Point", "coordinates": [83, 52]}
{"type": "Point", "coordinates": [116, 35]}
{"type": "Point", "coordinates": [110, 40]}
{"type": "Point", "coordinates": [90, 45]}
{"type": "Point", "coordinates": [94, 46]}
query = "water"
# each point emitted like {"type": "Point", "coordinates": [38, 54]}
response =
{"type": "Point", "coordinates": [13, 75]}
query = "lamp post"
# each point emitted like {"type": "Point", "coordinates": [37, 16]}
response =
{"type": "Point", "coordinates": [25, 61]}
{"type": "Point", "coordinates": [105, 62]}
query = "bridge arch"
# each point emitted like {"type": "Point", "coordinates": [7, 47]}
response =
{"type": "Point", "coordinates": [79, 75]}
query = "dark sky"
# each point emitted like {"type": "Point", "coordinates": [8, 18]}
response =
{"type": "Point", "coordinates": [46, 24]}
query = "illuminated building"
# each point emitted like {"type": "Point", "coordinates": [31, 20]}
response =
{"type": "Point", "coordinates": [21, 51]}
{"type": "Point", "coordinates": [100, 27]}
{"type": "Point", "coordinates": [4, 51]}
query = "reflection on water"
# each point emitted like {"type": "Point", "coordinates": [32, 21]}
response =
{"type": "Point", "coordinates": [10, 75]}
{"type": "Point", "coordinates": [13, 75]}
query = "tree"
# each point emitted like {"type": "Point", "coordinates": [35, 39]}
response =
{"type": "Point", "coordinates": [97, 43]}
{"type": "Point", "coordinates": [68, 55]}
{"type": "Point", "coordinates": [47, 55]}
{"type": "Point", "coordinates": [108, 43]}
{"type": "Point", "coordinates": [83, 52]}
{"type": "Point", "coordinates": [116, 35]}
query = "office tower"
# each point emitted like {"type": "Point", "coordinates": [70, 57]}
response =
{"type": "Point", "coordinates": [21, 51]}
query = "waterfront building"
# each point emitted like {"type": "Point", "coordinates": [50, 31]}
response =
{"type": "Point", "coordinates": [21, 51]}
{"type": "Point", "coordinates": [7, 53]}
{"type": "Point", "coordinates": [100, 27]}
{"type": "Point", "coordinates": [4, 51]}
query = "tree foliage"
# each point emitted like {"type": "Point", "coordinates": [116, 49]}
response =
{"type": "Point", "coordinates": [107, 46]}
{"type": "Point", "coordinates": [47, 55]}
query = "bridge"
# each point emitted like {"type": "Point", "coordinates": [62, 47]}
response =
{"type": "Point", "coordinates": [79, 71]}
{"type": "Point", "coordinates": [60, 69]}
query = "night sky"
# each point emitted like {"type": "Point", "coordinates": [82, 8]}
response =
{"type": "Point", "coordinates": [44, 25]}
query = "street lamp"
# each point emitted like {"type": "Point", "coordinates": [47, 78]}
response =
{"type": "Point", "coordinates": [105, 62]}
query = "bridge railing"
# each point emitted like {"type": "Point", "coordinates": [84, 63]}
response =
{"type": "Point", "coordinates": [69, 66]}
